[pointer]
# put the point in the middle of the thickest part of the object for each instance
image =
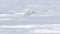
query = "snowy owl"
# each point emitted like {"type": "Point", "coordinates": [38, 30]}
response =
{"type": "Point", "coordinates": [28, 12]}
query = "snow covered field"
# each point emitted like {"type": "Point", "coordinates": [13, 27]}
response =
{"type": "Point", "coordinates": [30, 29]}
{"type": "Point", "coordinates": [29, 16]}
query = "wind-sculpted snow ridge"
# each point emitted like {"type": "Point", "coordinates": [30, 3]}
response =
{"type": "Point", "coordinates": [31, 29]}
{"type": "Point", "coordinates": [29, 13]}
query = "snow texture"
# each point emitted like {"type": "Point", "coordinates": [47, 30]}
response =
{"type": "Point", "coordinates": [29, 16]}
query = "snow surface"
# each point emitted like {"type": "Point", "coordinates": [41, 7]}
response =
{"type": "Point", "coordinates": [30, 29]}
{"type": "Point", "coordinates": [29, 16]}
